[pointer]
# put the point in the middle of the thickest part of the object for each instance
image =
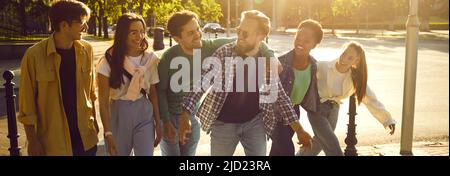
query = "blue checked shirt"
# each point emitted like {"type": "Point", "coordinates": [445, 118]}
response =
{"type": "Point", "coordinates": [213, 103]}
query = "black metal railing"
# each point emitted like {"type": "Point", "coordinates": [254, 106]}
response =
{"type": "Point", "coordinates": [14, 149]}
{"type": "Point", "coordinates": [351, 140]}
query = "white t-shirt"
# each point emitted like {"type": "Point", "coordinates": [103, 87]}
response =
{"type": "Point", "coordinates": [119, 94]}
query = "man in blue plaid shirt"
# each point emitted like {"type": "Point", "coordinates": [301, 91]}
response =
{"type": "Point", "coordinates": [232, 112]}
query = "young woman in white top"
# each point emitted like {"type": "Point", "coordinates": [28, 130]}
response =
{"type": "Point", "coordinates": [338, 80]}
{"type": "Point", "coordinates": [127, 74]}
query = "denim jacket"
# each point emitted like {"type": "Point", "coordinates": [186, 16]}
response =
{"type": "Point", "coordinates": [311, 100]}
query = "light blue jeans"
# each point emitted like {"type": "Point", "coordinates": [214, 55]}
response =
{"type": "Point", "coordinates": [226, 136]}
{"type": "Point", "coordinates": [176, 149]}
{"type": "Point", "coordinates": [132, 125]}
{"type": "Point", "coordinates": [323, 123]}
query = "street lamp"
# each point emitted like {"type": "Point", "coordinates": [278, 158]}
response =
{"type": "Point", "coordinates": [409, 88]}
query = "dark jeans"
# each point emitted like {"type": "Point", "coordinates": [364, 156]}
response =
{"type": "Point", "coordinates": [282, 144]}
{"type": "Point", "coordinates": [90, 152]}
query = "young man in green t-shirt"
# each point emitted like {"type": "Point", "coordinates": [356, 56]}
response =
{"type": "Point", "coordinates": [185, 30]}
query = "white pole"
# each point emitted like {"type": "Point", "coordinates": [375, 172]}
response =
{"type": "Point", "coordinates": [409, 88]}
{"type": "Point", "coordinates": [229, 17]}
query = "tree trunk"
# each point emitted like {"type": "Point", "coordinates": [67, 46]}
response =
{"type": "Point", "coordinates": [357, 19]}
{"type": "Point", "coordinates": [124, 10]}
{"type": "Point", "coordinates": [100, 17]}
{"type": "Point", "coordinates": [105, 23]}
{"type": "Point", "coordinates": [332, 24]}
{"type": "Point", "coordinates": [130, 7]}
{"type": "Point", "coordinates": [141, 7]}
{"type": "Point", "coordinates": [22, 16]}
{"type": "Point", "coordinates": [99, 31]}
{"type": "Point", "coordinates": [105, 27]}
{"type": "Point", "coordinates": [92, 25]}
{"type": "Point", "coordinates": [424, 14]}
{"type": "Point", "coordinates": [425, 25]}
{"type": "Point", "coordinates": [367, 18]}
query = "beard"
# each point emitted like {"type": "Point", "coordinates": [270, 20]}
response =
{"type": "Point", "coordinates": [241, 48]}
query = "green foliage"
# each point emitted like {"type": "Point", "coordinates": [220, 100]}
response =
{"type": "Point", "coordinates": [345, 8]}
{"type": "Point", "coordinates": [191, 6]}
{"type": "Point", "coordinates": [210, 11]}
{"type": "Point", "coordinates": [162, 11]}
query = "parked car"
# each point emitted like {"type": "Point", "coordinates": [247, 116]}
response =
{"type": "Point", "coordinates": [213, 28]}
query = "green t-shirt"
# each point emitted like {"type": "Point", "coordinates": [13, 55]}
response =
{"type": "Point", "coordinates": [170, 102]}
{"type": "Point", "coordinates": [301, 84]}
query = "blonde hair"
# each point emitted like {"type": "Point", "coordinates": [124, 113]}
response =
{"type": "Point", "coordinates": [261, 18]}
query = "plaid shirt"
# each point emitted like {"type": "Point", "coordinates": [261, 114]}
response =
{"type": "Point", "coordinates": [213, 103]}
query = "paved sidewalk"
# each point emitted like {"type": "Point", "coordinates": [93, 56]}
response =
{"type": "Point", "coordinates": [428, 148]}
{"type": "Point", "coordinates": [419, 149]}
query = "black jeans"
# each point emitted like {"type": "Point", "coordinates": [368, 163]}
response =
{"type": "Point", "coordinates": [90, 152]}
{"type": "Point", "coordinates": [282, 144]}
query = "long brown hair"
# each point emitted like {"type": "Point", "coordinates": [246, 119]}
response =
{"type": "Point", "coordinates": [359, 73]}
{"type": "Point", "coordinates": [116, 57]}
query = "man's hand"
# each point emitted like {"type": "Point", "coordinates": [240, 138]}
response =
{"type": "Point", "coordinates": [35, 148]}
{"type": "Point", "coordinates": [304, 139]}
{"type": "Point", "coordinates": [184, 127]}
{"type": "Point", "coordinates": [169, 131]}
{"type": "Point", "coordinates": [112, 150]}
{"type": "Point", "coordinates": [392, 128]}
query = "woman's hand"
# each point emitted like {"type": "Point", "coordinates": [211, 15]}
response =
{"type": "Point", "coordinates": [157, 134]}
{"type": "Point", "coordinates": [392, 128]}
{"type": "Point", "coordinates": [169, 131]}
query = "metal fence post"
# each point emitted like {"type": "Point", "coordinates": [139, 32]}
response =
{"type": "Point", "coordinates": [351, 140]}
{"type": "Point", "coordinates": [14, 149]}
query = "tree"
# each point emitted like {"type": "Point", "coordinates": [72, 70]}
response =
{"type": "Point", "coordinates": [191, 6]}
{"type": "Point", "coordinates": [425, 10]}
{"type": "Point", "coordinates": [21, 7]}
{"type": "Point", "coordinates": [347, 10]}
{"type": "Point", "coordinates": [164, 9]}
{"type": "Point", "coordinates": [210, 11]}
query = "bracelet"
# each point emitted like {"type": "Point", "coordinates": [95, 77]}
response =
{"type": "Point", "coordinates": [108, 133]}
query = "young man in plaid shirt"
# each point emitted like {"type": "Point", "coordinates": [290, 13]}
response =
{"type": "Point", "coordinates": [234, 115]}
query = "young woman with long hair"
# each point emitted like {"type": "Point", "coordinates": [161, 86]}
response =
{"type": "Point", "coordinates": [337, 80]}
{"type": "Point", "coordinates": [127, 75]}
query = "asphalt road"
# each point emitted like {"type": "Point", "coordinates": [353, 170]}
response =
{"type": "Point", "coordinates": [386, 62]}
